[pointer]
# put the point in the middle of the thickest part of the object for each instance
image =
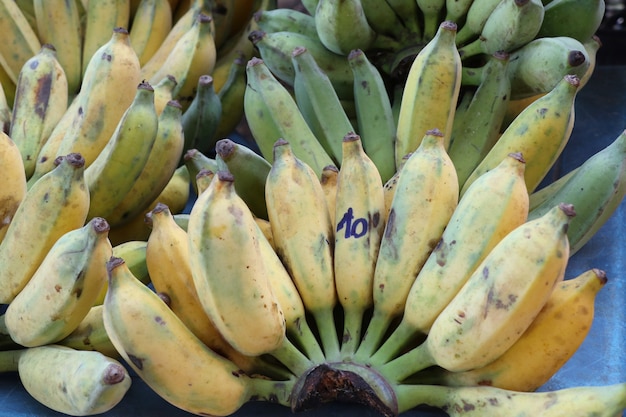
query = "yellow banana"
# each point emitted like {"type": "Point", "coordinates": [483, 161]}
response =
{"type": "Point", "coordinates": [167, 356]}
{"type": "Point", "coordinates": [90, 334]}
{"type": "Point", "coordinates": [59, 24]}
{"type": "Point", "coordinates": [540, 133]}
{"type": "Point", "coordinates": [63, 288]}
{"type": "Point", "coordinates": [194, 55]}
{"type": "Point", "coordinates": [552, 338]}
{"type": "Point", "coordinates": [69, 381]}
{"type": "Point", "coordinates": [495, 205]}
{"type": "Point", "coordinates": [303, 237]}
{"type": "Point", "coordinates": [359, 224]}
{"type": "Point", "coordinates": [109, 86]}
{"type": "Point", "coordinates": [54, 205]}
{"type": "Point", "coordinates": [426, 196]}
{"type": "Point", "coordinates": [223, 12]}
{"type": "Point", "coordinates": [41, 99]}
{"type": "Point", "coordinates": [149, 26]}
{"type": "Point", "coordinates": [328, 179]}
{"type": "Point", "coordinates": [14, 182]}
{"type": "Point", "coordinates": [158, 169]}
{"type": "Point", "coordinates": [498, 302]}
{"type": "Point", "coordinates": [224, 246]}
{"type": "Point", "coordinates": [114, 172]}
{"type": "Point", "coordinates": [102, 17]}
{"type": "Point", "coordinates": [20, 42]}
{"type": "Point", "coordinates": [163, 93]}
{"type": "Point", "coordinates": [431, 92]}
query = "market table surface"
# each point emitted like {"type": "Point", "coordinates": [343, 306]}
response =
{"type": "Point", "coordinates": [600, 118]}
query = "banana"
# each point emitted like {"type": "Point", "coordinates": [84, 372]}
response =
{"type": "Point", "coordinates": [475, 19]}
{"type": "Point", "coordinates": [538, 66]}
{"type": "Point", "coordinates": [303, 237]}
{"type": "Point", "coordinates": [359, 224]}
{"type": "Point", "coordinates": [383, 19]}
{"type": "Point", "coordinates": [523, 19]}
{"type": "Point", "coordinates": [389, 187]}
{"type": "Point", "coordinates": [319, 104]}
{"type": "Point", "coordinates": [231, 95]}
{"type": "Point", "coordinates": [149, 26]}
{"type": "Point", "coordinates": [5, 108]}
{"type": "Point", "coordinates": [69, 381]}
{"type": "Point", "coordinates": [196, 161]}
{"type": "Point", "coordinates": [275, 50]}
{"type": "Point", "coordinates": [456, 10]}
{"type": "Point", "coordinates": [20, 42]}
{"type": "Point", "coordinates": [90, 334]}
{"type": "Point", "coordinates": [498, 302]}
{"type": "Point", "coordinates": [193, 55]}
{"type": "Point", "coordinates": [108, 88]}
{"type": "Point", "coordinates": [286, 19]}
{"type": "Point", "coordinates": [201, 119]}
{"type": "Point", "coordinates": [112, 174]}
{"type": "Point", "coordinates": [328, 180]}
{"type": "Point", "coordinates": [495, 204]}
{"type": "Point", "coordinates": [59, 24]}
{"type": "Point", "coordinates": [577, 19]}
{"type": "Point", "coordinates": [433, 83]}
{"type": "Point", "coordinates": [553, 337]}
{"type": "Point", "coordinates": [409, 14]}
{"type": "Point", "coordinates": [102, 17]}
{"type": "Point", "coordinates": [430, 12]}
{"type": "Point", "coordinates": [251, 171]}
{"type": "Point", "coordinates": [273, 114]}
{"type": "Point", "coordinates": [224, 246]}
{"type": "Point", "coordinates": [158, 169]}
{"type": "Point", "coordinates": [14, 179]}
{"type": "Point", "coordinates": [601, 401]}
{"type": "Point", "coordinates": [375, 122]}
{"type": "Point", "coordinates": [166, 355]}
{"type": "Point", "coordinates": [57, 203]}
{"type": "Point", "coordinates": [476, 129]}
{"type": "Point", "coordinates": [597, 188]}
{"type": "Point", "coordinates": [63, 288]}
{"type": "Point", "coordinates": [163, 93]}
{"type": "Point", "coordinates": [424, 200]}
{"type": "Point", "coordinates": [223, 13]}
{"type": "Point", "coordinates": [310, 6]}
{"type": "Point", "coordinates": [41, 99]}
{"type": "Point", "coordinates": [342, 26]}
{"type": "Point", "coordinates": [540, 133]}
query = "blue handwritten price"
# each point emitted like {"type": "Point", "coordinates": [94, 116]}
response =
{"type": "Point", "coordinates": [352, 227]}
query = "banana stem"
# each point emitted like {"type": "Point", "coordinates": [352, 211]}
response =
{"type": "Point", "coordinates": [413, 361]}
{"type": "Point", "coordinates": [353, 320]}
{"type": "Point", "coordinates": [278, 392]}
{"type": "Point", "coordinates": [307, 342]}
{"type": "Point", "coordinates": [325, 321]}
{"type": "Point", "coordinates": [9, 360]}
{"type": "Point", "coordinates": [289, 355]}
{"type": "Point", "coordinates": [373, 335]}
{"type": "Point", "coordinates": [393, 344]}
{"type": "Point", "coordinates": [471, 49]}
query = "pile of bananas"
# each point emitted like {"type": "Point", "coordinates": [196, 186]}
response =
{"type": "Point", "coordinates": [392, 253]}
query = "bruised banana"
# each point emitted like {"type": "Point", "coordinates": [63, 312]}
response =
{"type": "Point", "coordinates": [64, 287]}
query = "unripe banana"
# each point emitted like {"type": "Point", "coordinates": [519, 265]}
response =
{"type": "Point", "coordinates": [231, 94]}
{"type": "Point", "coordinates": [286, 19]}
{"type": "Point", "coordinates": [477, 14]}
{"type": "Point", "coordinates": [431, 92]}
{"type": "Point", "coordinates": [66, 197]}
{"type": "Point", "coordinates": [498, 302]}
{"type": "Point", "coordinates": [430, 12]}
{"type": "Point", "coordinates": [63, 288]}
{"type": "Point", "coordinates": [359, 224]}
{"type": "Point", "coordinates": [196, 161]}
{"type": "Point", "coordinates": [90, 334]}
{"type": "Point", "coordinates": [342, 26]}
{"type": "Point", "coordinates": [539, 133]}
{"type": "Point", "coordinates": [577, 19]}
{"type": "Point", "coordinates": [202, 118]}
{"type": "Point", "coordinates": [13, 178]}
{"type": "Point", "coordinates": [426, 195]}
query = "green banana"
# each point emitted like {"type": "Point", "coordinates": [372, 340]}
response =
{"type": "Point", "coordinates": [286, 19]}
{"type": "Point", "coordinates": [430, 13]}
{"type": "Point", "coordinates": [273, 114]}
{"type": "Point", "coordinates": [342, 26]}
{"type": "Point", "coordinates": [202, 117]}
{"type": "Point", "coordinates": [90, 334]}
{"type": "Point", "coordinates": [578, 19]}
{"type": "Point", "coordinates": [475, 19]}
{"type": "Point", "coordinates": [195, 161]}
{"type": "Point", "coordinates": [383, 18]}
{"type": "Point", "coordinates": [319, 104]}
{"type": "Point", "coordinates": [231, 98]}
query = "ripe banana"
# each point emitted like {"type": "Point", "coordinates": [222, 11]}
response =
{"type": "Point", "coordinates": [433, 83]}
{"type": "Point", "coordinates": [498, 302]}
{"type": "Point", "coordinates": [375, 122]}
{"type": "Point", "coordinates": [57, 203]}
{"type": "Point", "coordinates": [273, 114]}
{"type": "Point", "coordinates": [328, 180]}
{"type": "Point", "coordinates": [358, 228]}
{"type": "Point", "coordinates": [20, 42]}
{"type": "Point", "coordinates": [63, 288]}
{"type": "Point", "coordinates": [319, 104]}
{"type": "Point", "coordinates": [90, 334]}
{"type": "Point", "coordinates": [157, 170]}
{"type": "Point", "coordinates": [163, 93]}
{"type": "Point", "coordinates": [59, 24]}
{"type": "Point", "coordinates": [69, 381]}
{"type": "Point", "coordinates": [551, 339]}
{"type": "Point", "coordinates": [425, 197]}
{"type": "Point", "coordinates": [303, 237]}
{"type": "Point", "coordinates": [496, 204]}
{"type": "Point", "coordinates": [14, 179]}
{"type": "Point", "coordinates": [41, 98]}
{"type": "Point", "coordinates": [175, 367]}
{"type": "Point", "coordinates": [202, 117]}
{"type": "Point", "coordinates": [149, 26]}
{"type": "Point", "coordinates": [342, 26]}
{"type": "Point", "coordinates": [539, 133]}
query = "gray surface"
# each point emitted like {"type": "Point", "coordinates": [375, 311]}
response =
{"type": "Point", "coordinates": [601, 116]}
